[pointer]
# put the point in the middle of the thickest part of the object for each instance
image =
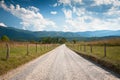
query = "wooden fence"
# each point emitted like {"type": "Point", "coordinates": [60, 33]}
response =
{"type": "Point", "coordinates": [103, 49]}
{"type": "Point", "coordinates": [12, 47]}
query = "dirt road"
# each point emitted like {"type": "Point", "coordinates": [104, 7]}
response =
{"type": "Point", "coordinates": [59, 64]}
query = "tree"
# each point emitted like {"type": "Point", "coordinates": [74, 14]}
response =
{"type": "Point", "coordinates": [45, 40]}
{"type": "Point", "coordinates": [49, 40]}
{"type": "Point", "coordinates": [5, 38]}
{"type": "Point", "coordinates": [63, 40]}
{"type": "Point", "coordinates": [74, 41]}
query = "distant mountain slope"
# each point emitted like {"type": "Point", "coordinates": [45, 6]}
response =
{"type": "Point", "coordinates": [16, 34]}
{"type": "Point", "coordinates": [55, 34]}
{"type": "Point", "coordinates": [100, 33]}
{"type": "Point", "coordinates": [19, 34]}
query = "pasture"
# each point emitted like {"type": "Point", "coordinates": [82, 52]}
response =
{"type": "Point", "coordinates": [107, 51]}
{"type": "Point", "coordinates": [20, 53]}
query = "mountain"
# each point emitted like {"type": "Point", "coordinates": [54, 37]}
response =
{"type": "Point", "coordinates": [55, 34]}
{"type": "Point", "coordinates": [16, 34]}
{"type": "Point", "coordinates": [100, 33]}
{"type": "Point", "coordinates": [23, 35]}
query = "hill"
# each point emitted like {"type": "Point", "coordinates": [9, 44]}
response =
{"type": "Point", "coordinates": [24, 35]}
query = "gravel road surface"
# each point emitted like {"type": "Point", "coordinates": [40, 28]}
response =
{"type": "Point", "coordinates": [59, 64]}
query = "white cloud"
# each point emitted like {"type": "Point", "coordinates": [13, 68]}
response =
{"type": "Point", "coordinates": [53, 12]}
{"type": "Point", "coordinates": [31, 18]}
{"type": "Point", "coordinates": [76, 18]}
{"type": "Point", "coordinates": [55, 5]}
{"type": "Point", "coordinates": [85, 22]}
{"type": "Point", "coordinates": [69, 2]}
{"type": "Point", "coordinates": [65, 2]}
{"type": "Point", "coordinates": [3, 25]}
{"type": "Point", "coordinates": [66, 28]}
{"type": "Point", "coordinates": [79, 11]}
{"type": "Point", "coordinates": [80, 19]}
{"type": "Point", "coordinates": [106, 2]}
{"type": "Point", "coordinates": [78, 1]}
{"type": "Point", "coordinates": [99, 2]}
{"type": "Point", "coordinates": [67, 13]}
{"type": "Point", "coordinates": [32, 8]}
{"type": "Point", "coordinates": [79, 24]}
{"type": "Point", "coordinates": [114, 11]}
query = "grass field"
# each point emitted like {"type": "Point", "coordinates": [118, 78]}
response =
{"type": "Point", "coordinates": [112, 52]}
{"type": "Point", "coordinates": [18, 54]}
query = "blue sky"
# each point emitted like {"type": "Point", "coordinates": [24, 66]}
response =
{"type": "Point", "coordinates": [61, 15]}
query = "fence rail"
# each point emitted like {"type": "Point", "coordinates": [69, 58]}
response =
{"type": "Point", "coordinates": [17, 49]}
{"type": "Point", "coordinates": [101, 50]}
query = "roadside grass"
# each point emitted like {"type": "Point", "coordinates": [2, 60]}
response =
{"type": "Point", "coordinates": [112, 53]}
{"type": "Point", "coordinates": [18, 54]}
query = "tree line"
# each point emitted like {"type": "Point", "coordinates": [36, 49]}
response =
{"type": "Point", "coordinates": [52, 40]}
{"type": "Point", "coordinates": [43, 40]}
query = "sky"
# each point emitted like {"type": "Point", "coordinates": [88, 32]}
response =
{"type": "Point", "coordinates": [60, 15]}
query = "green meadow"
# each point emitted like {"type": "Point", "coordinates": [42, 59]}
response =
{"type": "Point", "coordinates": [98, 50]}
{"type": "Point", "coordinates": [19, 54]}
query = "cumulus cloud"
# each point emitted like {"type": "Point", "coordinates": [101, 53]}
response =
{"type": "Point", "coordinates": [79, 24]}
{"type": "Point", "coordinates": [3, 25]}
{"type": "Point", "coordinates": [100, 2]}
{"type": "Point", "coordinates": [106, 2]}
{"type": "Point", "coordinates": [66, 28]}
{"type": "Point", "coordinates": [32, 8]}
{"type": "Point", "coordinates": [53, 12]}
{"type": "Point", "coordinates": [31, 18]}
{"type": "Point", "coordinates": [76, 18]}
{"type": "Point", "coordinates": [78, 1]}
{"type": "Point", "coordinates": [65, 2]}
{"type": "Point", "coordinates": [81, 19]}
{"type": "Point", "coordinates": [67, 13]}
{"type": "Point", "coordinates": [85, 21]}
{"type": "Point", "coordinates": [79, 11]}
{"type": "Point", "coordinates": [69, 2]}
{"type": "Point", "coordinates": [55, 5]}
{"type": "Point", "coordinates": [114, 11]}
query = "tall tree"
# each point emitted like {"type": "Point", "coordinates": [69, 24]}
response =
{"type": "Point", "coordinates": [5, 38]}
{"type": "Point", "coordinates": [74, 41]}
{"type": "Point", "coordinates": [63, 40]}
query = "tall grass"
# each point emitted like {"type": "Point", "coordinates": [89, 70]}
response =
{"type": "Point", "coordinates": [112, 52]}
{"type": "Point", "coordinates": [18, 54]}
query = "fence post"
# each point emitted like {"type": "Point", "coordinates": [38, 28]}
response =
{"type": "Point", "coordinates": [27, 49]}
{"type": "Point", "coordinates": [80, 47]}
{"type": "Point", "coordinates": [84, 48]}
{"type": "Point", "coordinates": [8, 51]}
{"type": "Point", "coordinates": [47, 46]}
{"type": "Point", "coordinates": [105, 50]}
{"type": "Point", "coordinates": [40, 47]}
{"type": "Point", "coordinates": [72, 45]}
{"type": "Point", "coordinates": [91, 48]}
{"type": "Point", "coordinates": [36, 47]}
{"type": "Point", "coordinates": [44, 46]}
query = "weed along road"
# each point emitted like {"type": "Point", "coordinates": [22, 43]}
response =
{"type": "Point", "coordinates": [59, 64]}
